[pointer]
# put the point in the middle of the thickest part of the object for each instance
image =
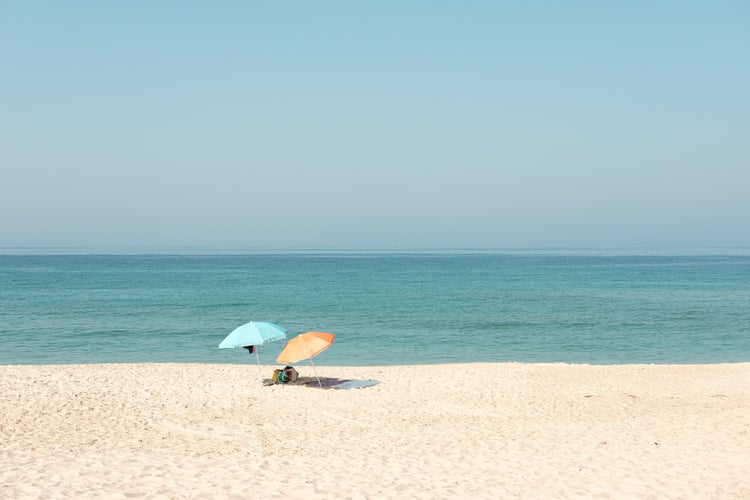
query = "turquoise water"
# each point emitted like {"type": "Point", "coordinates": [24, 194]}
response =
{"type": "Point", "coordinates": [385, 308]}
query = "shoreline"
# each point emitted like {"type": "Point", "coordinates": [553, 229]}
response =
{"type": "Point", "coordinates": [175, 430]}
{"type": "Point", "coordinates": [271, 367]}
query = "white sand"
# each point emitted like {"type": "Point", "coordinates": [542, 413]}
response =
{"type": "Point", "coordinates": [478, 430]}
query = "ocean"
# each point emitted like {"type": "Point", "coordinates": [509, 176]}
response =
{"type": "Point", "coordinates": [386, 308]}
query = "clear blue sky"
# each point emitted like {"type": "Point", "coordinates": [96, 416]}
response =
{"type": "Point", "coordinates": [382, 124]}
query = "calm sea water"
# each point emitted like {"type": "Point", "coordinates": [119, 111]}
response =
{"type": "Point", "coordinates": [384, 308]}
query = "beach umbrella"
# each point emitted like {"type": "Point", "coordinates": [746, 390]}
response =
{"type": "Point", "coordinates": [305, 346]}
{"type": "Point", "coordinates": [251, 335]}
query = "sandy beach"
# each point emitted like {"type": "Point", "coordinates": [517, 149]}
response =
{"type": "Point", "coordinates": [505, 430]}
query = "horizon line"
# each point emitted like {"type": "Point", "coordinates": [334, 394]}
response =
{"type": "Point", "coordinates": [188, 250]}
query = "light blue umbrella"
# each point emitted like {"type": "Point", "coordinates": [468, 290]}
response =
{"type": "Point", "coordinates": [251, 335]}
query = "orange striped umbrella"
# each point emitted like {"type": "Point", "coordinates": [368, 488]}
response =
{"type": "Point", "coordinates": [305, 346]}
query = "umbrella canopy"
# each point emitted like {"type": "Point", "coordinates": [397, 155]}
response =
{"type": "Point", "coordinates": [305, 346]}
{"type": "Point", "coordinates": [251, 335]}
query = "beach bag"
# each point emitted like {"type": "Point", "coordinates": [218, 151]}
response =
{"type": "Point", "coordinates": [291, 373]}
{"type": "Point", "coordinates": [280, 377]}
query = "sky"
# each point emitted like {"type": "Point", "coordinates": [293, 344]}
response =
{"type": "Point", "coordinates": [375, 124]}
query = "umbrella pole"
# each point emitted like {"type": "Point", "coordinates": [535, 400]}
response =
{"type": "Point", "coordinates": [315, 372]}
{"type": "Point", "coordinates": [257, 358]}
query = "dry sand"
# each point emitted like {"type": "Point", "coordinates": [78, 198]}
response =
{"type": "Point", "coordinates": [474, 430]}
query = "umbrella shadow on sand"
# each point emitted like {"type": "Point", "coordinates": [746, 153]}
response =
{"type": "Point", "coordinates": [329, 383]}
